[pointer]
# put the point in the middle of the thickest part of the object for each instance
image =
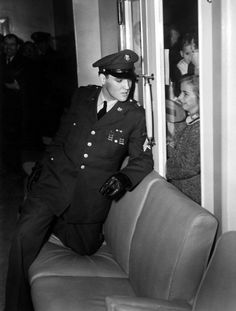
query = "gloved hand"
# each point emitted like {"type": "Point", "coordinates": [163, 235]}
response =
{"type": "Point", "coordinates": [115, 187]}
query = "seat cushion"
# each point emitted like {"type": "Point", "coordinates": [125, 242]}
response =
{"type": "Point", "coordinates": [125, 303]}
{"type": "Point", "coordinates": [76, 293]}
{"type": "Point", "coordinates": [56, 260]}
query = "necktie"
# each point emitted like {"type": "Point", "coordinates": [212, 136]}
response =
{"type": "Point", "coordinates": [103, 111]}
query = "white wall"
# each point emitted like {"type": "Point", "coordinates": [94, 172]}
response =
{"type": "Point", "coordinates": [228, 102]}
{"type": "Point", "coordinates": [87, 36]}
{"type": "Point", "coordinates": [109, 28]}
{"type": "Point", "coordinates": [219, 115]}
{"type": "Point", "coordinates": [96, 35]}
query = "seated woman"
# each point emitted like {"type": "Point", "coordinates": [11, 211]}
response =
{"type": "Point", "coordinates": [183, 163]}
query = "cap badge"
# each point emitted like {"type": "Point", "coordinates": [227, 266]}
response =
{"type": "Point", "coordinates": [127, 58]}
{"type": "Point", "coordinates": [119, 109]}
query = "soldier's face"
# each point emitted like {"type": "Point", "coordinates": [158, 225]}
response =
{"type": "Point", "coordinates": [116, 88]}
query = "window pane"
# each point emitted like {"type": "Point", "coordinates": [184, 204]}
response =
{"type": "Point", "coordinates": [182, 95]}
{"type": "Point", "coordinates": [137, 47]}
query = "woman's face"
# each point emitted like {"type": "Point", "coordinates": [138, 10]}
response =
{"type": "Point", "coordinates": [188, 98]}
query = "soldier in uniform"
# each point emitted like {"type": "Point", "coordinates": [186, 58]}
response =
{"type": "Point", "coordinates": [71, 188]}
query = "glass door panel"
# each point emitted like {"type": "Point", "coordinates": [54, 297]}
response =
{"type": "Point", "coordinates": [129, 20]}
{"type": "Point", "coordinates": [180, 19]}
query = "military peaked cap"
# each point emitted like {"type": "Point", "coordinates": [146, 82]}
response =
{"type": "Point", "coordinates": [119, 64]}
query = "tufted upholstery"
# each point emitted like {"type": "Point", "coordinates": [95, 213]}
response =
{"type": "Point", "coordinates": [157, 244]}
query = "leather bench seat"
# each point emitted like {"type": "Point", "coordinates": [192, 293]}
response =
{"type": "Point", "coordinates": [55, 260]}
{"type": "Point", "coordinates": [157, 245]}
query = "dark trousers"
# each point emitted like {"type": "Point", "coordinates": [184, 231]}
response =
{"type": "Point", "coordinates": [34, 226]}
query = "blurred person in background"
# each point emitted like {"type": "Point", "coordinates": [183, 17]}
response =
{"type": "Point", "coordinates": [13, 92]}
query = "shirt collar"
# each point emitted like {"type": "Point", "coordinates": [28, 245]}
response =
{"type": "Point", "coordinates": [101, 99]}
{"type": "Point", "coordinates": [192, 119]}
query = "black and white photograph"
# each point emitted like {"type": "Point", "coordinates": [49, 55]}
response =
{"type": "Point", "coordinates": [117, 155]}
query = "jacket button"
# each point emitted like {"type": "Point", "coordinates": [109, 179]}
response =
{"type": "Point", "coordinates": [52, 158]}
{"type": "Point", "coordinates": [93, 132]}
{"type": "Point", "coordinates": [89, 144]}
{"type": "Point", "coordinates": [85, 155]}
{"type": "Point", "coordinates": [75, 124]}
{"type": "Point", "coordinates": [82, 167]}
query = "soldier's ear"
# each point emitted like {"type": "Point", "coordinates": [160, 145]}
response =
{"type": "Point", "coordinates": [102, 78]}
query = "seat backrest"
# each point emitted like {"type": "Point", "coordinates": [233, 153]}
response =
{"type": "Point", "coordinates": [123, 215]}
{"type": "Point", "coordinates": [171, 245]}
{"type": "Point", "coordinates": [217, 291]}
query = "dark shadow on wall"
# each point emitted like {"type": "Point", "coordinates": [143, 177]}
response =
{"type": "Point", "coordinates": [65, 38]}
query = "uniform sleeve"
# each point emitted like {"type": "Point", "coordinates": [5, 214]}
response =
{"type": "Point", "coordinates": [140, 161]}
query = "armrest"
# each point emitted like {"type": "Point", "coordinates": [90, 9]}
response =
{"type": "Point", "coordinates": [124, 303]}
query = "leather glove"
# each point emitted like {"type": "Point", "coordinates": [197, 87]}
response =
{"type": "Point", "coordinates": [115, 186]}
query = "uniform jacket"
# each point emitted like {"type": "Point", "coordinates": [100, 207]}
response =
{"type": "Point", "coordinates": [87, 151]}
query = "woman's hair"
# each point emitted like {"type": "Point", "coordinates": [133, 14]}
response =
{"type": "Point", "coordinates": [193, 80]}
